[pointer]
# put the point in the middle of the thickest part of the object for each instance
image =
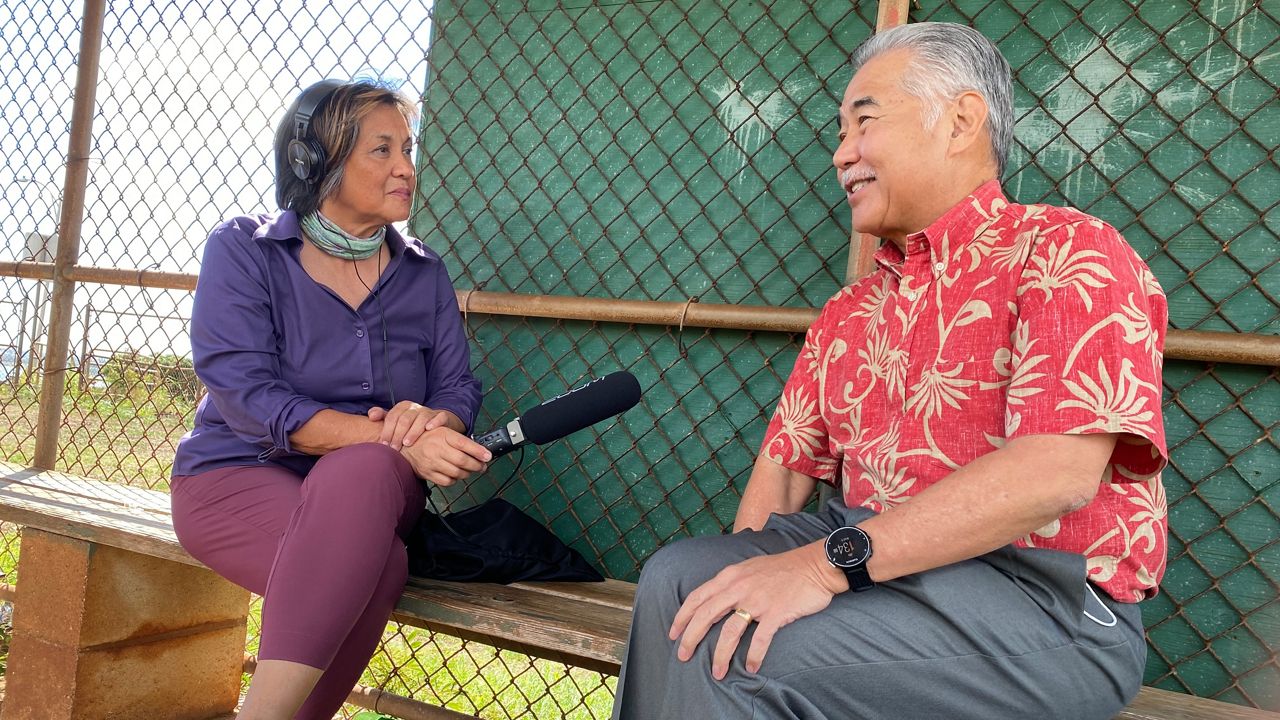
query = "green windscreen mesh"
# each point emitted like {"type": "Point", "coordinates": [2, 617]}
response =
{"type": "Point", "coordinates": [674, 149]}
{"type": "Point", "coordinates": [647, 151]}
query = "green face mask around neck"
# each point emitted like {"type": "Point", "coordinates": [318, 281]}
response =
{"type": "Point", "coordinates": [335, 241]}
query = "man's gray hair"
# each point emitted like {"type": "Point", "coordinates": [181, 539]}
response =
{"type": "Point", "coordinates": [946, 60]}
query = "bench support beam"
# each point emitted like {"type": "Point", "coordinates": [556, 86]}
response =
{"type": "Point", "coordinates": [101, 632]}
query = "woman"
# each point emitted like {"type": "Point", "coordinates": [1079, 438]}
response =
{"type": "Point", "coordinates": [338, 376]}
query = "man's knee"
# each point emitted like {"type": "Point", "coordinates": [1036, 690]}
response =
{"type": "Point", "coordinates": [682, 566]}
{"type": "Point", "coordinates": [663, 567]}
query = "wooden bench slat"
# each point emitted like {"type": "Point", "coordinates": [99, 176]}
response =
{"type": "Point", "coordinates": [610, 593]}
{"type": "Point", "coordinates": [560, 620]}
{"type": "Point", "coordinates": [135, 498]}
{"type": "Point", "coordinates": [79, 516]}
{"type": "Point", "coordinates": [518, 618]}
{"type": "Point", "coordinates": [148, 541]}
{"type": "Point", "coordinates": [1156, 704]}
{"type": "Point", "coordinates": [109, 510]}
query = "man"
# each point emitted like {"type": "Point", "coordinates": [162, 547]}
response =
{"type": "Point", "coordinates": [988, 400]}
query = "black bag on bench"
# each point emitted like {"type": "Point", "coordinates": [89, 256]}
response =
{"type": "Point", "coordinates": [492, 542]}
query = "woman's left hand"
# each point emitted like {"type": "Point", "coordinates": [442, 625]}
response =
{"type": "Point", "coordinates": [404, 423]}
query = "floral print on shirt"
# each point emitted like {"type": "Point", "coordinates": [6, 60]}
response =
{"type": "Point", "coordinates": [999, 320]}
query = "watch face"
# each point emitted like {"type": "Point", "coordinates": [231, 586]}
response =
{"type": "Point", "coordinates": [848, 547]}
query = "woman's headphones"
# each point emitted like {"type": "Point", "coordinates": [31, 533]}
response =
{"type": "Point", "coordinates": [306, 155]}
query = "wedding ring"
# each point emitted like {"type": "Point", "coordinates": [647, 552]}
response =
{"type": "Point", "coordinates": [744, 615]}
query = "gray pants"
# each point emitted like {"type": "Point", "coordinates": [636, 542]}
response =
{"type": "Point", "coordinates": [1005, 635]}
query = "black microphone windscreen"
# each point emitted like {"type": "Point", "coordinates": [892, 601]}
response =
{"type": "Point", "coordinates": [598, 400]}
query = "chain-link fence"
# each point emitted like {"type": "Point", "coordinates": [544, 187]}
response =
{"type": "Point", "coordinates": [659, 151]}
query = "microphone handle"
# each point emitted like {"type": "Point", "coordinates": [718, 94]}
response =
{"type": "Point", "coordinates": [497, 441]}
{"type": "Point", "coordinates": [503, 440]}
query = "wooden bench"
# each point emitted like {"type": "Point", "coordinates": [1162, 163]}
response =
{"type": "Point", "coordinates": [113, 618]}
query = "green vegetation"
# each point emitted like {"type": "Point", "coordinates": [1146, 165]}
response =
{"type": "Point", "coordinates": [119, 424]}
{"type": "Point", "coordinates": [478, 679]}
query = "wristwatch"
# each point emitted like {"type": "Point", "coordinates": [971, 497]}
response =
{"type": "Point", "coordinates": [849, 548]}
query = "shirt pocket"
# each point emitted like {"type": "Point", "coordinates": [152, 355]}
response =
{"type": "Point", "coordinates": [965, 405]}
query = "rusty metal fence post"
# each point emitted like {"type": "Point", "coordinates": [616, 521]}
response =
{"type": "Point", "coordinates": [62, 307]}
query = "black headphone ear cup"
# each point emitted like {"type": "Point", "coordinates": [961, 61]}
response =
{"type": "Point", "coordinates": [305, 159]}
{"type": "Point", "coordinates": [305, 154]}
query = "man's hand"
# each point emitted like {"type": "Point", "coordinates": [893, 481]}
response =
{"type": "Point", "coordinates": [443, 456]}
{"type": "Point", "coordinates": [776, 590]}
{"type": "Point", "coordinates": [403, 424]}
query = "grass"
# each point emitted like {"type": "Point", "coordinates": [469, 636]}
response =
{"type": "Point", "coordinates": [478, 679]}
{"type": "Point", "coordinates": [126, 432]}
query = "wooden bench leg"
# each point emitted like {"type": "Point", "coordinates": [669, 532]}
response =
{"type": "Point", "coordinates": [101, 632]}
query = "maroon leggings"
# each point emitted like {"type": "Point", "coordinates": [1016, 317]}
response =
{"type": "Point", "coordinates": [325, 552]}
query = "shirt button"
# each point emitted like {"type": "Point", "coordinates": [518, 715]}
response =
{"type": "Point", "coordinates": [911, 296]}
{"type": "Point", "coordinates": [939, 267]}
{"type": "Point", "coordinates": [364, 386]}
{"type": "Point", "coordinates": [359, 332]}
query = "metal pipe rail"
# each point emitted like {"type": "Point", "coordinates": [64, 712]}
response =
{"type": "Point", "coordinates": [382, 701]}
{"type": "Point", "coordinates": [1199, 345]}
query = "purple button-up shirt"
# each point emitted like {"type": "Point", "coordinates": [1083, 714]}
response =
{"type": "Point", "coordinates": [274, 347]}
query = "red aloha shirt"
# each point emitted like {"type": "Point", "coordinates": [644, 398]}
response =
{"type": "Point", "coordinates": [1000, 320]}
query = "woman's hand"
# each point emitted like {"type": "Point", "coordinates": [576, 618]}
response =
{"type": "Point", "coordinates": [405, 423]}
{"type": "Point", "coordinates": [444, 456]}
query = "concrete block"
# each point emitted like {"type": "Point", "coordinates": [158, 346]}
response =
{"type": "Point", "coordinates": [53, 572]}
{"type": "Point", "coordinates": [40, 680]}
{"type": "Point", "coordinates": [130, 595]}
{"type": "Point", "coordinates": [103, 633]}
{"type": "Point", "coordinates": [192, 677]}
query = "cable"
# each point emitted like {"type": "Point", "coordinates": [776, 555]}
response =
{"type": "Point", "coordinates": [386, 369]}
{"type": "Point", "coordinates": [382, 317]}
{"type": "Point", "coordinates": [432, 501]}
{"type": "Point", "coordinates": [512, 476]}
{"type": "Point", "coordinates": [382, 320]}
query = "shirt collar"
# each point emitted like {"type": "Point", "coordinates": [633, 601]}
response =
{"type": "Point", "coordinates": [890, 258]}
{"type": "Point", "coordinates": [967, 214]}
{"type": "Point", "coordinates": [285, 227]}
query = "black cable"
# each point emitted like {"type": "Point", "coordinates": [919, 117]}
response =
{"type": "Point", "coordinates": [512, 476]}
{"type": "Point", "coordinates": [382, 317]}
{"type": "Point", "coordinates": [432, 501]}
{"type": "Point", "coordinates": [382, 320]}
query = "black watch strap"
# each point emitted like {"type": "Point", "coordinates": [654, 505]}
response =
{"type": "Point", "coordinates": [859, 578]}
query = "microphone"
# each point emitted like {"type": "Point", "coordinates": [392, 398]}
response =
{"type": "Point", "coordinates": [567, 413]}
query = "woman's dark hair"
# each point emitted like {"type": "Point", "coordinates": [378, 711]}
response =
{"type": "Point", "coordinates": [335, 126]}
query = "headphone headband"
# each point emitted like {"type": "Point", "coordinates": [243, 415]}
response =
{"type": "Point", "coordinates": [311, 99]}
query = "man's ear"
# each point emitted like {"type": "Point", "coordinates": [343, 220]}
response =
{"type": "Point", "coordinates": [968, 121]}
